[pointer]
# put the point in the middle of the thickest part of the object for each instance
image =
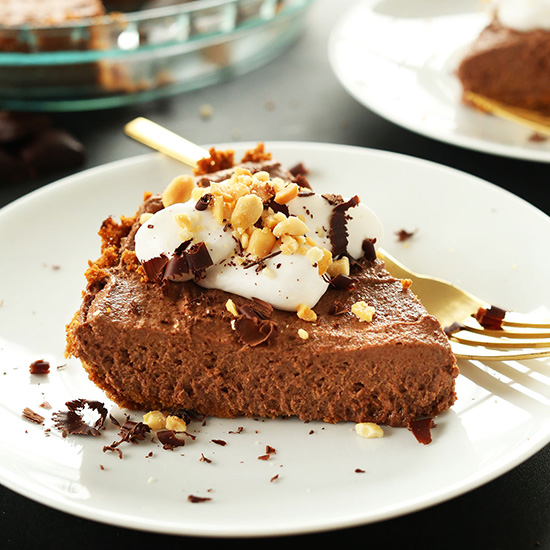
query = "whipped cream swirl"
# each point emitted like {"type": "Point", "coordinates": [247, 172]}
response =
{"type": "Point", "coordinates": [289, 275]}
{"type": "Point", "coordinates": [523, 15]}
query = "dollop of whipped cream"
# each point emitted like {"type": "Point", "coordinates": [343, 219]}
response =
{"type": "Point", "coordinates": [523, 15]}
{"type": "Point", "coordinates": [256, 237]}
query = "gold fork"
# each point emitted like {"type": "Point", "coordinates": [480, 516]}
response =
{"type": "Point", "coordinates": [516, 338]}
{"type": "Point", "coordinates": [498, 337]}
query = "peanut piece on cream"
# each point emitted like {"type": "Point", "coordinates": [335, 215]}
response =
{"type": "Point", "coordinates": [178, 190]}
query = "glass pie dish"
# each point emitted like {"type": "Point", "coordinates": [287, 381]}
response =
{"type": "Point", "coordinates": [120, 58]}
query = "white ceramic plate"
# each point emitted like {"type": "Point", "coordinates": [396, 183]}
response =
{"type": "Point", "coordinates": [398, 58]}
{"type": "Point", "coordinates": [467, 230]}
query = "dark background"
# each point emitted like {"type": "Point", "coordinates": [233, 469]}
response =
{"type": "Point", "coordinates": [297, 98]}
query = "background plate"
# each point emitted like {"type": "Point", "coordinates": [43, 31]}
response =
{"type": "Point", "coordinates": [399, 58]}
{"type": "Point", "coordinates": [466, 230]}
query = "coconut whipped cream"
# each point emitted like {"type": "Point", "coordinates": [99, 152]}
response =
{"type": "Point", "coordinates": [523, 15]}
{"type": "Point", "coordinates": [266, 239]}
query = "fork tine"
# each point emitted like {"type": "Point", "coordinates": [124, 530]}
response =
{"type": "Point", "coordinates": [501, 343]}
{"type": "Point", "coordinates": [512, 319]}
{"type": "Point", "coordinates": [472, 353]}
{"type": "Point", "coordinates": [508, 336]}
{"type": "Point", "coordinates": [471, 325]}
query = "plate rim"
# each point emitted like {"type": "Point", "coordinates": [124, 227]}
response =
{"type": "Point", "coordinates": [473, 481]}
{"type": "Point", "coordinates": [464, 142]}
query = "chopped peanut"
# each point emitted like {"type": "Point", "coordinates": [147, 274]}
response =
{"type": "Point", "coordinates": [339, 267]}
{"type": "Point", "coordinates": [325, 261]}
{"type": "Point", "coordinates": [289, 245]}
{"type": "Point", "coordinates": [314, 255]}
{"type": "Point", "coordinates": [231, 307]}
{"type": "Point", "coordinates": [363, 311]}
{"type": "Point", "coordinates": [155, 420]}
{"type": "Point", "coordinates": [303, 334]}
{"type": "Point", "coordinates": [286, 194]}
{"type": "Point", "coordinates": [262, 176]}
{"type": "Point", "coordinates": [218, 209]}
{"type": "Point", "coordinates": [273, 219]}
{"type": "Point", "coordinates": [290, 226]}
{"type": "Point", "coordinates": [145, 217]}
{"type": "Point", "coordinates": [175, 423]}
{"type": "Point", "coordinates": [187, 222]}
{"type": "Point", "coordinates": [178, 190]}
{"type": "Point", "coordinates": [368, 430]}
{"type": "Point", "coordinates": [247, 211]}
{"type": "Point", "coordinates": [261, 242]}
{"type": "Point", "coordinates": [241, 171]}
{"type": "Point", "coordinates": [198, 192]}
{"type": "Point", "coordinates": [306, 313]}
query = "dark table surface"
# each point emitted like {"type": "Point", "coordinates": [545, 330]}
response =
{"type": "Point", "coordinates": [297, 98]}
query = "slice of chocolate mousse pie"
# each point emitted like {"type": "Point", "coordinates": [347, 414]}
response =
{"type": "Point", "coordinates": [242, 292]}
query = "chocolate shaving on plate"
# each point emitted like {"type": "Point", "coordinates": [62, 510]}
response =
{"type": "Point", "coordinates": [31, 416]}
{"type": "Point", "coordinates": [299, 169]}
{"type": "Point", "coordinates": [130, 432]}
{"type": "Point", "coordinates": [403, 235]}
{"type": "Point", "coordinates": [421, 429]}
{"type": "Point", "coordinates": [133, 432]}
{"type": "Point", "coordinates": [40, 366]}
{"type": "Point", "coordinates": [170, 439]}
{"type": "Point", "coordinates": [194, 499]}
{"type": "Point", "coordinates": [71, 421]}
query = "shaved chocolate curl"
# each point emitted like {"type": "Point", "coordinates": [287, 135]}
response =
{"type": "Point", "coordinates": [342, 282]}
{"type": "Point", "coordinates": [253, 331]}
{"type": "Point", "coordinates": [368, 249]}
{"type": "Point", "coordinates": [338, 232]}
{"type": "Point", "coordinates": [204, 202]}
{"type": "Point", "coordinates": [177, 269]}
{"type": "Point", "coordinates": [154, 268]}
{"type": "Point", "coordinates": [257, 308]}
{"type": "Point", "coordinates": [198, 258]}
{"type": "Point", "coordinates": [133, 431]}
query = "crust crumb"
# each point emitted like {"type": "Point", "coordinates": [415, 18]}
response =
{"type": "Point", "coordinates": [218, 160]}
{"type": "Point", "coordinates": [112, 232]}
{"type": "Point", "coordinates": [258, 154]}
